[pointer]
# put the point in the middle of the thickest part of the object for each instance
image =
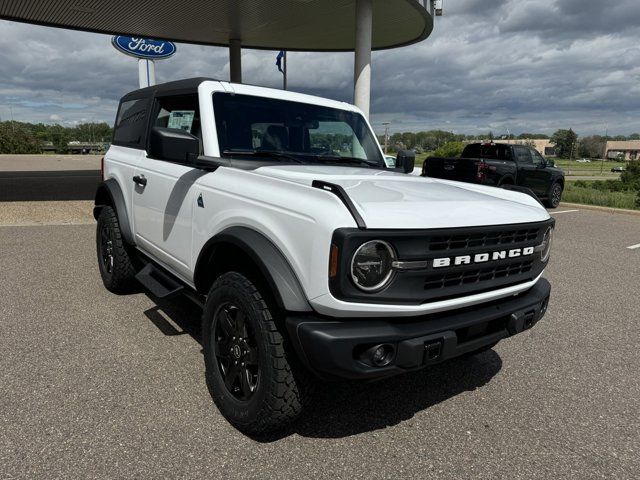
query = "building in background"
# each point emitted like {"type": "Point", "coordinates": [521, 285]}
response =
{"type": "Point", "coordinates": [622, 149]}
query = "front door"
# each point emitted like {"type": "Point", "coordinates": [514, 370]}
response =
{"type": "Point", "coordinates": [528, 172]}
{"type": "Point", "coordinates": [165, 193]}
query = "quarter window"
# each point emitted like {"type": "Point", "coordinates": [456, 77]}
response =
{"type": "Point", "coordinates": [131, 123]}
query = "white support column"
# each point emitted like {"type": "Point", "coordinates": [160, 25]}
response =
{"type": "Point", "coordinates": [146, 73]}
{"type": "Point", "coordinates": [362, 61]}
{"type": "Point", "coordinates": [235, 61]}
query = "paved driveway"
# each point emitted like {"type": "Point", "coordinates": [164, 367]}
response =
{"type": "Point", "coordinates": [94, 385]}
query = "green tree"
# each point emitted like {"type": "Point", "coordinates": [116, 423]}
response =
{"type": "Point", "coordinates": [565, 142]}
{"type": "Point", "coordinates": [15, 137]}
{"type": "Point", "coordinates": [591, 147]}
{"type": "Point", "coordinates": [450, 149]}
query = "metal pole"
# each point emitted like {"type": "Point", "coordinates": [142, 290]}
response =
{"type": "Point", "coordinates": [362, 60]}
{"type": "Point", "coordinates": [146, 73]}
{"type": "Point", "coordinates": [235, 61]}
{"type": "Point", "coordinates": [604, 154]}
{"type": "Point", "coordinates": [284, 76]}
{"type": "Point", "coordinates": [386, 136]}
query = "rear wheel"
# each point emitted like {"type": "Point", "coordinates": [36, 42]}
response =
{"type": "Point", "coordinates": [115, 263]}
{"type": "Point", "coordinates": [248, 372]}
{"type": "Point", "coordinates": [555, 195]}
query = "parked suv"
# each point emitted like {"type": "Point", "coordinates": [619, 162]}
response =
{"type": "Point", "coordinates": [518, 167]}
{"type": "Point", "coordinates": [311, 258]}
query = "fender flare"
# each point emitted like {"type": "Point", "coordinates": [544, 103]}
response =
{"type": "Point", "coordinates": [109, 193]}
{"type": "Point", "coordinates": [273, 265]}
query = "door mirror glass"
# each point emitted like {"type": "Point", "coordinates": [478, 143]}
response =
{"type": "Point", "coordinates": [405, 161]}
{"type": "Point", "coordinates": [173, 145]}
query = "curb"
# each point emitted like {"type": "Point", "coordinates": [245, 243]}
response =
{"type": "Point", "coordinates": [598, 208]}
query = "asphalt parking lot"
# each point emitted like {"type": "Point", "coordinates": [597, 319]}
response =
{"type": "Point", "coordinates": [95, 385]}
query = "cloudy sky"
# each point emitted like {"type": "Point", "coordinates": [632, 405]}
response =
{"type": "Point", "coordinates": [521, 65]}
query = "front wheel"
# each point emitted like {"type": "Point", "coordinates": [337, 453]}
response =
{"type": "Point", "coordinates": [248, 374]}
{"type": "Point", "coordinates": [555, 195]}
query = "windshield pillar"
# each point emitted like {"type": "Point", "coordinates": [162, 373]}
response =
{"type": "Point", "coordinates": [362, 60]}
{"type": "Point", "coordinates": [235, 61]}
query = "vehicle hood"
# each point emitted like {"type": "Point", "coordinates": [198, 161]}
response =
{"type": "Point", "coordinates": [395, 200]}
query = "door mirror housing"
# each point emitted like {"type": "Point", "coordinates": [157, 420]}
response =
{"type": "Point", "coordinates": [173, 145]}
{"type": "Point", "coordinates": [550, 162]}
{"type": "Point", "coordinates": [405, 161]}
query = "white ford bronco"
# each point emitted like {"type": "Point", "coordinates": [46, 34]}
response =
{"type": "Point", "coordinates": [309, 255]}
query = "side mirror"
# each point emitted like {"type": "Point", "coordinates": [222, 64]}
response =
{"type": "Point", "coordinates": [173, 144]}
{"type": "Point", "coordinates": [405, 161]}
{"type": "Point", "coordinates": [550, 163]}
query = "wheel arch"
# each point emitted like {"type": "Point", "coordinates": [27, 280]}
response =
{"type": "Point", "coordinates": [246, 249]}
{"type": "Point", "coordinates": [506, 180]}
{"type": "Point", "coordinates": [110, 194]}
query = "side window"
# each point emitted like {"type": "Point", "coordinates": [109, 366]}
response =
{"type": "Point", "coordinates": [537, 158]}
{"type": "Point", "coordinates": [131, 123]}
{"type": "Point", "coordinates": [180, 112]}
{"type": "Point", "coordinates": [523, 155]}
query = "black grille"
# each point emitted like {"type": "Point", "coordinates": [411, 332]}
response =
{"type": "Point", "coordinates": [483, 239]}
{"type": "Point", "coordinates": [455, 279]}
{"type": "Point", "coordinates": [464, 275]}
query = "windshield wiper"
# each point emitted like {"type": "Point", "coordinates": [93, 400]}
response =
{"type": "Point", "coordinates": [263, 153]}
{"type": "Point", "coordinates": [339, 158]}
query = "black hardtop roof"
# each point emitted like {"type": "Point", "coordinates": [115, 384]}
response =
{"type": "Point", "coordinates": [177, 87]}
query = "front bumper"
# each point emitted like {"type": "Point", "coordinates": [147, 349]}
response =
{"type": "Point", "coordinates": [334, 348]}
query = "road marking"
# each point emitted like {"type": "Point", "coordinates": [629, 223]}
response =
{"type": "Point", "coordinates": [564, 211]}
{"type": "Point", "coordinates": [633, 247]}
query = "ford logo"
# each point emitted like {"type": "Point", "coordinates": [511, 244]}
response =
{"type": "Point", "coordinates": [144, 47]}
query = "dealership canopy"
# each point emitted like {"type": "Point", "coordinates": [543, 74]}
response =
{"type": "Point", "coordinates": [309, 25]}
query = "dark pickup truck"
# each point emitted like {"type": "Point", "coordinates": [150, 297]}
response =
{"type": "Point", "coordinates": [501, 165]}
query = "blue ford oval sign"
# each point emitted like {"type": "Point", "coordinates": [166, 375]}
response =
{"type": "Point", "coordinates": [144, 47]}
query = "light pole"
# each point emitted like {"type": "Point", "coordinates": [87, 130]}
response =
{"type": "Point", "coordinates": [386, 135]}
{"type": "Point", "coordinates": [604, 153]}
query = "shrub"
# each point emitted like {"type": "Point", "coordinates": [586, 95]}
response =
{"type": "Point", "coordinates": [450, 149]}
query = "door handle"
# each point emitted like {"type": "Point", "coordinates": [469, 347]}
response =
{"type": "Point", "coordinates": [140, 180]}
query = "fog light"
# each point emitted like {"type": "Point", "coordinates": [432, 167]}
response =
{"type": "Point", "coordinates": [380, 355]}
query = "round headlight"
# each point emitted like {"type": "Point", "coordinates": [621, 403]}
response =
{"type": "Point", "coordinates": [545, 246]}
{"type": "Point", "coordinates": [371, 265]}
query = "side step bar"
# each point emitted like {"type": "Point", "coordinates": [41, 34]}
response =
{"type": "Point", "coordinates": [157, 282]}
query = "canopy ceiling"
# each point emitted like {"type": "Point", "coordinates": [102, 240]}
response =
{"type": "Point", "coordinates": [311, 25]}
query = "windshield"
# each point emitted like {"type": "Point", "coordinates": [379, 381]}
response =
{"type": "Point", "coordinates": [250, 126]}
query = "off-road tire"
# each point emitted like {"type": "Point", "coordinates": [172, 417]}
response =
{"type": "Point", "coordinates": [555, 195]}
{"type": "Point", "coordinates": [282, 387]}
{"type": "Point", "coordinates": [117, 275]}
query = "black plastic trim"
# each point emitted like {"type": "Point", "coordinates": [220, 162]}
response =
{"type": "Point", "coordinates": [329, 346]}
{"type": "Point", "coordinates": [111, 188]}
{"type": "Point", "coordinates": [289, 294]}
{"type": "Point", "coordinates": [339, 192]}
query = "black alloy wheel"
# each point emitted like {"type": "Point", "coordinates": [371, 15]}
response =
{"type": "Point", "coordinates": [236, 351]}
{"type": "Point", "coordinates": [555, 195]}
{"type": "Point", "coordinates": [106, 249]}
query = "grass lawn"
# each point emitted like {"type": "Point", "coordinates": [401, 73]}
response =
{"type": "Point", "coordinates": [588, 195]}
